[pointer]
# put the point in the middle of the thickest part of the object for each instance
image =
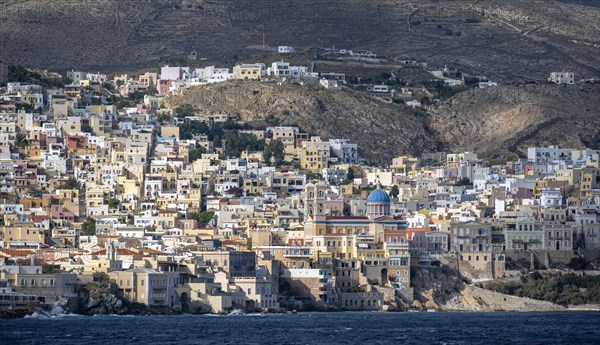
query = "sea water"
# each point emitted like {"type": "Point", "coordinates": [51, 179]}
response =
{"type": "Point", "coordinates": [310, 328]}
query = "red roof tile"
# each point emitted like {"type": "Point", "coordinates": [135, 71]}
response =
{"type": "Point", "coordinates": [16, 252]}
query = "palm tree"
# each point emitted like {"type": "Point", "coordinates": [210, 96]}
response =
{"type": "Point", "coordinates": [21, 140]}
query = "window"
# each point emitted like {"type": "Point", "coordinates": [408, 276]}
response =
{"type": "Point", "coordinates": [249, 291]}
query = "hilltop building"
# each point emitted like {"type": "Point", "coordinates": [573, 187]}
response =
{"type": "Point", "coordinates": [562, 78]}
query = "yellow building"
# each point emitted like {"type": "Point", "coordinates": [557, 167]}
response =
{"type": "Point", "coordinates": [165, 219]}
{"type": "Point", "coordinates": [61, 107]}
{"type": "Point", "coordinates": [23, 232]}
{"type": "Point", "coordinates": [169, 131]}
{"type": "Point", "coordinates": [404, 164]}
{"type": "Point", "coordinates": [148, 286]}
{"type": "Point", "coordinates": [314, 155]}
{"type": "Point", "coordinates": [33, 152]}
{"type": "Point", "coordinates": [454, 160]}
{"type": "Point", "coordinates": [7, 132]}
{"type": "Point", "coordinates": [248, 72]}
{"type": "Point", "coordinates": [74, 91]}
{"type": "Point", "coordinates": [48, 288]}
{"type": "Point", "coordinates": [71, 125]}
{"type": "Point", "coordinates": [128, 187]}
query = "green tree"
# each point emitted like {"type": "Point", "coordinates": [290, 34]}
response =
{"type": "Point", "coordinates": [152, 90]}
{"type": "Point", "coordinates": [195, 154]}
{"type": "Point", "coordinates": [394, 192]}
{"type": "Point", "coordinates": [113, 203]}
{"type": "Point", "coordinates": [189, 129]}
{"type": "Point", "coordinates": [21, 140]}
{"type": "Point", "coordinates": [89, 226]}
{"type": "Point", "coordinates": [137, 96]}
{"type": "Point", "coordinates": [24, 106]}
{"type": "Point", "coordinates": [350, 175]}
{"type": "Point", "coordinates": [275, 150]}
{"type": "Point", "coordinates": [463, 181]}
{"type": "Point", "coordinates": [202, 217]}
{"type": "Point", "coordinates": [236, 142]}
{"type": "Point", "coordinates": [312, 176]}
{"type": "Point", "coordinates": [163, 117]}
{"type": "Point", "coordinates": [186, 110]}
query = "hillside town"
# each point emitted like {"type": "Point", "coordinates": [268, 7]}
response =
{"type": "Point", "coordinates": [181, 210]}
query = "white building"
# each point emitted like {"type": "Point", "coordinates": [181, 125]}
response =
{"type": "Point", "coordinates": [344, 150]}
{"type": "Point", "coordinates": [173, 73]}
{"type": "Point", "coordinates": [329, 84]}
{"type": "Point", "coordinates": [76, 76]}
{"type": "Point", "coordinates": [285, 49]}
{"type": "Point", "coordinates": [378, 88]}
{"type": "Point", "coordinates": [413, 104]}
{"type": "Point", "coordinates": [551, 198]}
{"type": "Point", "coordinates": [211, 74]}
{"type": "Point", "coordinates": [562, 78]}
{"type": "Point", "coordinates": [96, 77]}
{"type": "Point", "coordinates": [280, 69]}
{"type": "Point", "coordinates": [486, 84]}
{"type": "Point", "coordinates": [547, 154]}
{"type": "Point", "coordinates": [333, 175]}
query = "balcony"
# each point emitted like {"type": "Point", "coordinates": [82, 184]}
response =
{"type": "Point", "coordinates": [295, 253]}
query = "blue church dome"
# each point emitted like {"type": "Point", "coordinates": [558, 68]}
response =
{"type": "Point", "coordinates": [378, 196]}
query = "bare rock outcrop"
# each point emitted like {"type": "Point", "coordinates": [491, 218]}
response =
{"type": "Point", "coordinates": [501, 122]}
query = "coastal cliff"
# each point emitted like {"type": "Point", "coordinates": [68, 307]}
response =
{"type": "Point", "coordinates": [445, 289]}
{"type": "Point", "coordinates": [103, 298]}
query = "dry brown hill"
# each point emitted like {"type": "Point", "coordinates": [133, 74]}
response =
{"type": "Point", "coordinates": [501, 122]}
{"type": "Point", "coordinates": [503, 39]}
{"type": "Point", "coordinates": [380, 129]}
{"type": "Point", "coordinates": [497, 122]}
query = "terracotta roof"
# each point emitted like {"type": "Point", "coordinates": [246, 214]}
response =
{"type": "Point", "coordinates": [120, 251]}
{"type": "Point", "coordinates": [16, 252]}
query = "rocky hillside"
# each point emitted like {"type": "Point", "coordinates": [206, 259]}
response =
{"type": "Point", "coordinates": [497, 122]}
{"type": "Point", "coordinates": [444, 289]}
{"type": "Point", "coordinates": [501, 122]}
{"type": "Point", "coordinates": [503, 39]}
{"type": "Point", "coordinates": [381, 130]}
